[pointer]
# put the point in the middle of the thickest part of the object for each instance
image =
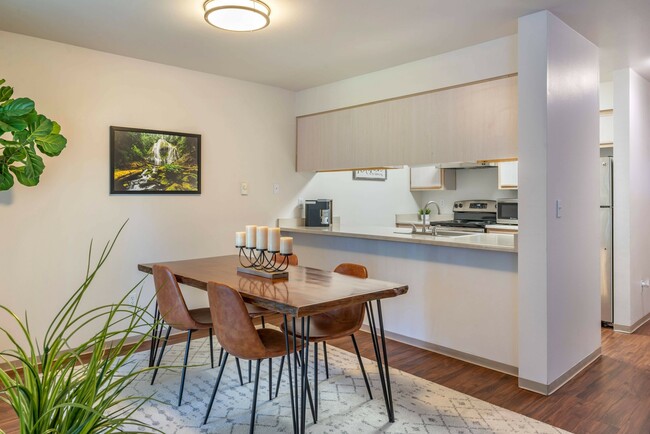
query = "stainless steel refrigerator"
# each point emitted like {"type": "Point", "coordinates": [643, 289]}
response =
{"type": "Point", "coordinates": [606, 241]}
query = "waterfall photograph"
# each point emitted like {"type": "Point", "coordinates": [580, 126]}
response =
{"type": "Point", "coordinates": [149, 161]}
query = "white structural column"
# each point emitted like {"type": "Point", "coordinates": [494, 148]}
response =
{"type": "Point", "coordinates": [632, 200]}
{"type": "Point", "coordinates": [559, 300]}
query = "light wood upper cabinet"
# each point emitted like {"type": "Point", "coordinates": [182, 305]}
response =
{"type": "Point", "coordinates": [508, 175]}
{"type": "Point", "coordinates": [432, 178]}
{"type": "Point", "coordinates": [470, 122]}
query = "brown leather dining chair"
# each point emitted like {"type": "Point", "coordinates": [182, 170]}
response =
{"type": "Point", "coordinates": [175, 314]}
{"type": "Point", "coordinates": [259, 312]}
{"type": "Point", "coordinates": [238, 336]}
{"type": "Point", "coordinates": [335, 324]}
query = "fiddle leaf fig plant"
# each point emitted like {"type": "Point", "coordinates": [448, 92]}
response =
{"type": "Point", "coordinates": [29, 132]}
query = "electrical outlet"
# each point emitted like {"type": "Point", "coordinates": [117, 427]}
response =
{"type": "Point", "coordinates": [132, 299]}
{"type": "Point", "coordinates": [243, 188]}
{"type": "Point", "coordinates": [276, 188]}
{"type": "Point", "coordinates": [558, 209]}
{"type": "Point", "coordinates": [301, 203]}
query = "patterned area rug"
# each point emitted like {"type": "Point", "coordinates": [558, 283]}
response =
{"type": "Point", "coordinates": [420, 406]}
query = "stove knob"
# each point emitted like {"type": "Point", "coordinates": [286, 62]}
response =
{"type": "Point", "coordinates": [460, 205]}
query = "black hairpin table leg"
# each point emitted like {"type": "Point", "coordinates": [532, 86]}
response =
{"type": "Point", "coordinates": [379, 344]}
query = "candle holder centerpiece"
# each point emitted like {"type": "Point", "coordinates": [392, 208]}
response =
{"type": "Point", "coordinates": [262, 252]}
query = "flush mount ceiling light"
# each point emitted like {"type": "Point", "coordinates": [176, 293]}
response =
{"type": "Point", "coordinates": [237, 15]}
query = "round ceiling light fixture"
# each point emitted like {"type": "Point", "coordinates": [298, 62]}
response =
{"type": "Point", "coordinates": [237, 15]}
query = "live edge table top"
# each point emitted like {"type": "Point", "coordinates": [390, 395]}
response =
{"type": "Point", "coordinates": [307, 291]}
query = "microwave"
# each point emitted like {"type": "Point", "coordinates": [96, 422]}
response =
{"type": "Point", "coordinates": [508, 211]}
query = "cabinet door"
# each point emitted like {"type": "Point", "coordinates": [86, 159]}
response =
{"type": "Point", "coordinates": [432, 178]}
{"type": "Point", "coordinates": [477, 121]}
{"type": "Point", "coordinates": [508, 175]}
{"type": "Point", "coordinates": [606, 128]}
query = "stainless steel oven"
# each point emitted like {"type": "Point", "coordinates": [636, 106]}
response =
{"type": "Point", "coordinates": [508, 211]}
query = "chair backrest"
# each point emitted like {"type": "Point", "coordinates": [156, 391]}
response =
{"type": "Point", "coordinates": [355, 312]}
{"type": "Point", "coordinates": [233, 327]}
{"type": "Point", "coordinates": [354, 270]}
{"type": "Point", "coordinates": [171, 303]}
{"type": "Point", "coordinates": [293, 259]}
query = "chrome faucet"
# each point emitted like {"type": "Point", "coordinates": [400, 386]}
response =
{"type": "Point", "coordinates": [424, 213]}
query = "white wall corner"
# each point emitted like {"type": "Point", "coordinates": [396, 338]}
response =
{"type": "Point", "coordinates": [559, 312]}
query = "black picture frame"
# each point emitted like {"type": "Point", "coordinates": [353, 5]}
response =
{"type": "Point", "coordinates": [181, 177]}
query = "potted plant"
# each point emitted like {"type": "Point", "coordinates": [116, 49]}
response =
{"type": "Point", "coordinates": [56, 389]}
{"type": "Point", "coordinates": [30, 132]}
{"type": "Point", "coordinates": [427, 214]}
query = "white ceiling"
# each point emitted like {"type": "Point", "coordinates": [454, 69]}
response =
{"type": "Point", "coordinates": [313, 42]}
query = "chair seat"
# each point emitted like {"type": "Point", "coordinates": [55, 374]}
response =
{"type": "Point", "coordinates": [326, 326]}
{"type": "Point", "coordinates": [202, 318]}
{"type": "Point", "coordinates": [256, 311]}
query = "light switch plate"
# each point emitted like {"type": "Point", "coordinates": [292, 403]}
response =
{"type": "Point", "coordinates": [276, 188]}
{"type": "Point", "coordinates": [558, 209]}
{"type": "Point", "coordinates": [243, 188]}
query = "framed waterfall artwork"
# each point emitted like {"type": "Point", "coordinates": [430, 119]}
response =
{"type": "Point", "coordinates": [154, 162]}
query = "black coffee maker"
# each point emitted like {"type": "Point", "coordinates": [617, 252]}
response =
{"type": "Point", "coordinates": [318, 213]}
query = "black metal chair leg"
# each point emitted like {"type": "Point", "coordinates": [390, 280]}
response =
{"type": "Point", "coordinates": [250, 369]}
{"type": "Point", "coordinates": [214, 391]}
{"type": "Point", "coordinates": [270, 379]}
{"type": "Point", "coordinates": [315, 382]}
{"type": "Point", "coordinates": [263, 323]}
{"type": "Point", "coordinates": [257, 383]}
{"type": "Point", "coordinates": [162, 350]}
{"type": "Point", "coordinates": [220, 357]}
{"type": "Point", "coordinates": [211, 351]}
{"type": "Point", "coordinates": [277, 386]}
{"type": "Point", "coordinates": [327, 366]}
{"type": "Point", "coordinates": [187, 353]}
{"type": "Point", "coordinates": [241, 379]}
{"type": "Point", "coordinates": [363, 370]}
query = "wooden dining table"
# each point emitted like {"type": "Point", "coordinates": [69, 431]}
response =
{"type": "Point", "coordinates": [305, 292]}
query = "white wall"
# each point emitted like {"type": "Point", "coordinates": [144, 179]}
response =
{"type": "Point", "coordinates": [489, 59]}
{"type": "Point", "coordinates": [248, 134]}
{"type": "Point", "coordinates": [375, 203]}
{"type": "Point", "coordinates": [470, 184]}
{"type": "Point", "coordinates": [631, 198]}
{"type": "Point", "coordinates": [559, 303]}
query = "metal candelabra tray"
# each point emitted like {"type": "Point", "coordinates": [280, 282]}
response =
{"type": "Point", "coordinates": [263, 263]}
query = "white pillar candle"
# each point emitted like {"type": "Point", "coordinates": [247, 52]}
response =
{"type": "Point", "coordinates": [262, 237]}
{"type": "Point", "coordinates": [240, 239]}
{"type": "Point", "coordinates": [274, 239]}
{"type": "Point", "coordinates": [286, 245]}
{"type": "Point", "coordinates": [250, 236]}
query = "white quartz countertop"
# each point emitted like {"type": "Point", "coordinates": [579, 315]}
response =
{"type": "Point", "coordinates": [494, 242]}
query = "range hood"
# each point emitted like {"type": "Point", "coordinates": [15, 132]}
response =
{"type": "Point", "coordinates": [467, 165]}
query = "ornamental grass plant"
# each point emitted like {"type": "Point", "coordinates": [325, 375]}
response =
{"type": "Point", "coordinates": [56, 388]}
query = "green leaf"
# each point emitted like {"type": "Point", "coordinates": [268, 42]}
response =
{"type": "Point", "coordinates": [18, 107]}
{"type": "Point", "coordinates": [13, 153]}
{"type": "Point", "coordinates": [6, 180]}
{"type": "Point", "coordinates": [8, 123]}
{"type": "Point", "coordinates": [19, 171]}
{"type": "Point", "coordinates": [41, 128]}
{"type": "Point", "coordinates": [34, 165]}
{"type": "Point", "coordinates": [56, 128]}
{"type": "Point", "coordinates": [5, 93]}
{"type": "Point", "coordinates": [51, 145]}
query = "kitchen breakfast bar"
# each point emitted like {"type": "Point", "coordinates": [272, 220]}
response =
{"type": "Point", "coordinates": [463, 293]}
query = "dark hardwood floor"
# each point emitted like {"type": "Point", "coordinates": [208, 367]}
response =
{"type": "Point", "coordinates": [611, 396]}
